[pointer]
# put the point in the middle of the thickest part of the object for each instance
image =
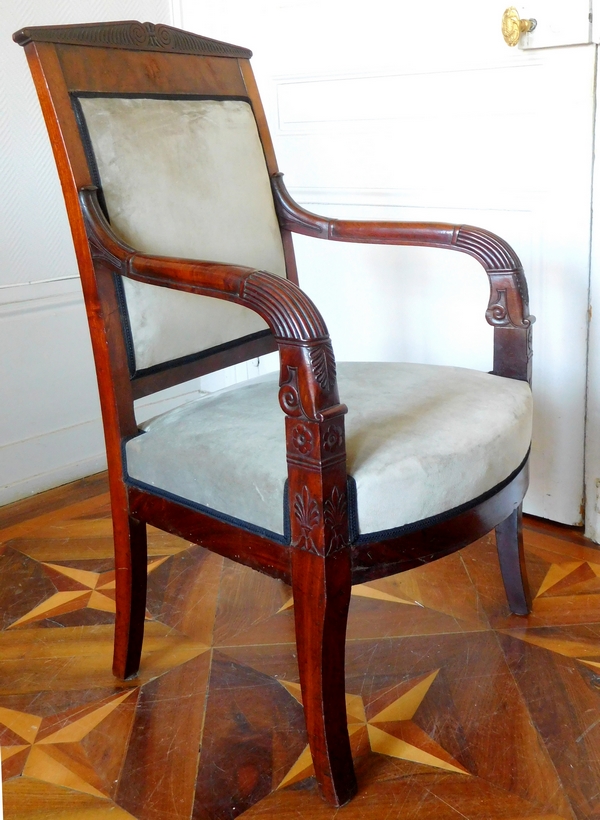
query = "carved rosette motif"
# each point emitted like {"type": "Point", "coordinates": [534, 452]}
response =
{"type": "Point", "coordinates": [333, 438]}
{"type": "Point", "coordinates": [302, 439]}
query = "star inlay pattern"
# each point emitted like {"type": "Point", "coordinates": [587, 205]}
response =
{"type": "Point", "coordinates": [440, 678]}
{"type": "Point", "coordinates": [77, 589]}
{"type": "Point", "coordinates": [366, 591]}
{"type": "Point", "coordinates": [74, 749]}
{"type": "Point", "coordinates": [385, 725]}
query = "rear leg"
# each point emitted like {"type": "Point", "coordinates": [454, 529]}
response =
{"type": "Point", "coordinates": [509, 542]}
{"type": "Point", "coordinates": [130, 579]}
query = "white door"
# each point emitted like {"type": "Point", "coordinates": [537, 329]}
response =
{"type": "Point", "coordinates": [402, 110]}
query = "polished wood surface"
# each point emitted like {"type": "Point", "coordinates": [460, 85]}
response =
{"type": "Point", "coordinates": [140, 59]}
{"type": "Point", "coordinates": [455, 707]}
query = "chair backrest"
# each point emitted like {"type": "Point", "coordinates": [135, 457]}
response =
{"type": "Point", "coordinates": [169, 127]}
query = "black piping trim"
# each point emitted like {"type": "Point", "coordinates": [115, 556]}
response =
{"type": "Point", "coordinates": [414, 526]}
{"type": "Point", "coordinates": [89, 151]}
{"type": "Point", "coordinates": [203, 354]}
{"type": "Point", "coordinates": [219, 516]}
{"type": "Point", "coordinates": [95, 174]}
{"type": "Point", "coordinates": [355, 539]}
{"type": "Point", "coordinates": [144, 95]}
{"type": "Point", "coordinates": [118, 280]}
{"type": "Point", "coordinates": [125, 324]}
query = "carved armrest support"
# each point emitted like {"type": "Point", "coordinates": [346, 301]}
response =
{"type": "Point", "coordinates": [308, 387]}
{"type": "Point", "coordinates": [316, 452]}
{"type": "Point", "coordinates": [508, 307]}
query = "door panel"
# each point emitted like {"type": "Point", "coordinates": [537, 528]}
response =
{"type": "Point", "coordinates": [400, 111]}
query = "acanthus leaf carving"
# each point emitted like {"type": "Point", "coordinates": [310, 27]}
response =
{"type": "Point", "coordinates": [322, 362]}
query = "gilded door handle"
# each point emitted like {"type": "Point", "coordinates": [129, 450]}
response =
{"type": "Point", "coordinates": [513, 26]}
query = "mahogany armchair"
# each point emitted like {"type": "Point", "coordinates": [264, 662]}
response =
{"type": "Point", "coordinates": [183, 233]}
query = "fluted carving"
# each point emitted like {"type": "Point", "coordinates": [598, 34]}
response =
{"type": "Point", "coordinates": [291, 313]}
{"type": "Point", "coordinates": [132, 35]}
{"type": "Point", "coordinates": [493, 252]}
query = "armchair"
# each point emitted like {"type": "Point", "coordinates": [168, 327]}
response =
{"type": "Point", "coordinates": [183, 233]}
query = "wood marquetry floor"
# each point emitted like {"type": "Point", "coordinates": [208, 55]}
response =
{"type": "Point", "coordinates": [456, 709]}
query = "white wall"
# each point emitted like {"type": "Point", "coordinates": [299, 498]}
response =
{"type": "Point", "coordinates": [50, 429]}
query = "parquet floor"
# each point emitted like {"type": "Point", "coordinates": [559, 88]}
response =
{"type": "Point", "coordinates": [456, 709]}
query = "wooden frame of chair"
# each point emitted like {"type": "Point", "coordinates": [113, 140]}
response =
{"type": "Point", "coordinates": [320, 562]}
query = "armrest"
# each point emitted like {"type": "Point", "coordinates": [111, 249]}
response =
{"type": "Point", "coordinates": [308, 372]}
{"type": "Point", "coordinates": [508, 307]}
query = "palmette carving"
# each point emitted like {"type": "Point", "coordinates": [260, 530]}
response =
{"type": "Point", "coordinates": [334, 513]}
{"type": "Point", "coordinates": [306, 513]}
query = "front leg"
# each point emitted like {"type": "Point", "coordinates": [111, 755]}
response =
{"type": "Point", "coordinates": [321, 587]}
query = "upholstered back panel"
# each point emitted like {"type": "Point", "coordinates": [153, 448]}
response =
{"type": "Point", "coordinates": [187, 178]}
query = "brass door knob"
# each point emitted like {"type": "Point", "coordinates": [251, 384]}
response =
{"type": "Point", "coordinates": [513, 26]}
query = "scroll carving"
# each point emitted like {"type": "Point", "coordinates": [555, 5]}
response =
{"type": "Point", "coordinates": [505, 308]}
{"type": "Point", "coordinates": [289, 398]}
{"type": "Point", "coordinates": [131, 35]}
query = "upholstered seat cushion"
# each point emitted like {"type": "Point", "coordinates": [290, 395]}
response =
{"type": "Point", "coordinates": [420, 439]}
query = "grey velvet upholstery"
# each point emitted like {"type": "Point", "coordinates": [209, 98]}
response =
{"type": "Point", "coordinates": [421, 440]}
{"type": "Point", "coordinates": [185, 178]}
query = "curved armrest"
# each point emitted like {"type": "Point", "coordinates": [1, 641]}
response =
{"type": "Point", "coordinates": [308, 373]}
{"type": "Point", "coordinates": [508, 307]}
